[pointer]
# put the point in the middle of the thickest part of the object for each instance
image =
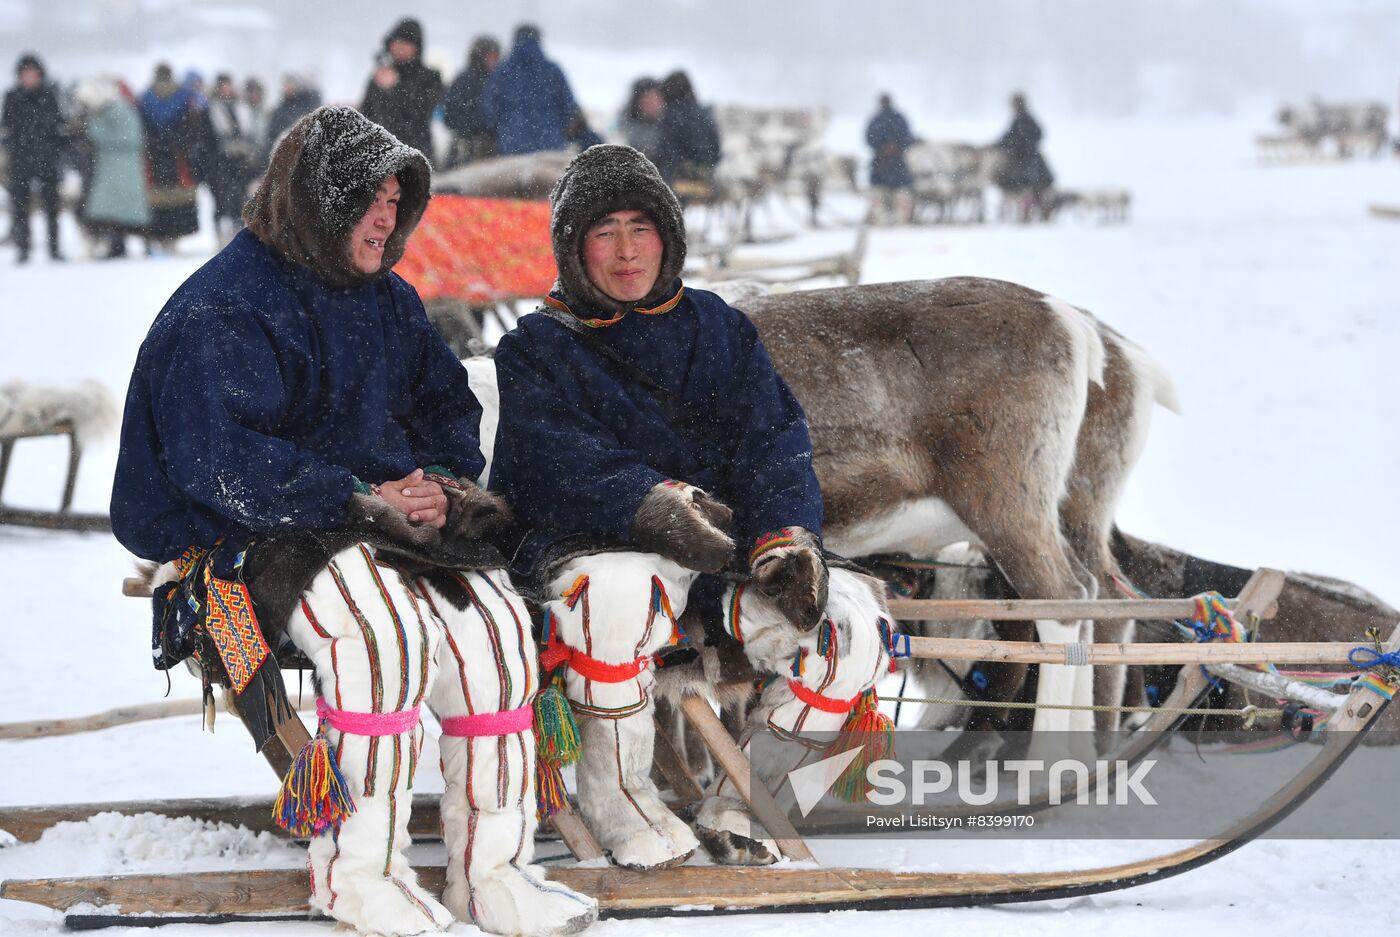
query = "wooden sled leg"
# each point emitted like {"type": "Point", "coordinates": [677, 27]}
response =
{"type": "Point", "coordinates": [281, 750]}
{"type": "Point", "coordinates": [735, 764]}
{"type": "Point", "coordinates": [575, 835]}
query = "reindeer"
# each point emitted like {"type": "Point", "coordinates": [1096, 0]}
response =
{"type": "Point", "coordinates": [951, 178]}
{"type": "Point", "coordinates": [974, 410]}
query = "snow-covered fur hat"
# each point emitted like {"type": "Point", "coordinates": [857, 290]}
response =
{"type": "Point", "coordinates": [599, 181]}
{"type": "Point", "coordinates": [321, 180]}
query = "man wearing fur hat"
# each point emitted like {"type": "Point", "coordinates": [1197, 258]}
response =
{"type": "Point", "coordinates": [298, 439]}
{"type": "Point", "coordinates": [403, 92]}
{"type": "Point", "coordinates": [646, 441]}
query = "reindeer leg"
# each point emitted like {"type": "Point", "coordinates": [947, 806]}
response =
{"type": "Point", "coordinates": [1041, 566]}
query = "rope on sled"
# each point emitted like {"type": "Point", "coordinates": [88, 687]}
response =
{"type": "Point", "coordinates": [1213, 621]}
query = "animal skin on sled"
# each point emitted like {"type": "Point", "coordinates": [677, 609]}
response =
{"type": "Point", "coordinates": [30, 409]}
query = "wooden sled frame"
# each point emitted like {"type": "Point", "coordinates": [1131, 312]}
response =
{"type": "Point", "coordinates": [721, 264]}
{"type": "Point", "coordinates": [63, 518]}
{"type": "Point", "coordinates": [627, 893]}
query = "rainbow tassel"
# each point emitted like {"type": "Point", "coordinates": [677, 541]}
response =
{"type": "Point", "coordinates": [556, 733]}
{"type": "Point", "coordinates": [872, 732]}
{"type": "Point", "coordinates": [314, 796]}
{"type": "Point", "coordinates": [550, 793]}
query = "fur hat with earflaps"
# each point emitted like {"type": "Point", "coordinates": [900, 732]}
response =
{"type": "Point", "coordinates": [321, 180]}
{"type": "Point", "coordinates": [601, 180]}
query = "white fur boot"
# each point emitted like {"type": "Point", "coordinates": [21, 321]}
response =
{"type": "Point", "coordinates": [852, 664]}
{"type": "Point", "coordinates": [487, 679]}
{"type": "Point", "coordinates": [373, 653]}
{"type": "Point", "coordinates": [614, 611]}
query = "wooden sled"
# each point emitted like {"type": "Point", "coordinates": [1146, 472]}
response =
{"type": "Point", "coordinates": [63, 518]}
{"type": "Point", "coordinates": [721, 264]}
{"type": "Point", "coordinates": [209, 897]}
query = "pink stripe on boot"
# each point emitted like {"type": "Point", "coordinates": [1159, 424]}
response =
{"type": "Point", "coordinates": [391, 723]}
{"type": "Point", "coordinates": [503, 723]}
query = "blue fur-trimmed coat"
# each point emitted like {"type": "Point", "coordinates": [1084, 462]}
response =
{"type": "Point", "coordinates": [580, 443]}
{"type": "Point", "coordinates": [260, 395]}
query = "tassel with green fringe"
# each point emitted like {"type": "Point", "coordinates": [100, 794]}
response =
{"type": "Point", "coordinates": [556, 745]}
{"type": "Point", "coordinates": [314, 796]}
{"type": "Point", "coordinates": [556, 733]}
{"type": "Point", "coordinates": [872, 732]}
{"type": "Point", "coordinates": [550, 794]}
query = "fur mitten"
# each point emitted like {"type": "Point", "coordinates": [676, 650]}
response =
{"type": "Point", "coordinates": [472, 511]}
{"type": "Point", "coordinates": [788, 567]}
{"type": "Point", "coordinates": [684, 524]}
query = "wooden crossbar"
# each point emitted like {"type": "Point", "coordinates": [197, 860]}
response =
{"type": "Point", "coordinates": [1034, 652]}
{"type": "Point", "coordinates": [1051, 609]}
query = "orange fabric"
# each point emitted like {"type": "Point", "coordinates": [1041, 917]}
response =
{"type": "Point", "coordinates": [480, 250]}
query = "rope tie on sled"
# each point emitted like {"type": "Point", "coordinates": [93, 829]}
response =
{"type": "Point", "coordinates": [1379, 670]}
{"type": "Point", "coordinates": [1076, 654]}
{"type": "Point", "coordinates": [1212, 621]}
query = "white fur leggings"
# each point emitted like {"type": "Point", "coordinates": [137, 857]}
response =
{"type": "Point", "coordinates": [384, 642]}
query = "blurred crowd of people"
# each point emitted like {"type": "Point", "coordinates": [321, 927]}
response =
{"type": "Point", "coordinates": [142, 157]}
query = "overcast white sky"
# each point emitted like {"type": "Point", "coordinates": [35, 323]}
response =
{"type": "Point", "coordinates": [1089, 57]}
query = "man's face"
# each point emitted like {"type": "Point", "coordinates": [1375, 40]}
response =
{"type": "Point", "coordinates": [622, 255]}
{"type": "Point", "coordinates": [30, 78]}
{"type": "Point", "coordinates": [401, 50]}
{"type": "Point", "coordinates": [373, 230]}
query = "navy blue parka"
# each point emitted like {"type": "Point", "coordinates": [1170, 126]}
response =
{"type": "Point", "coordinates": [580, 443]}
{"type": "Point", "coordinates": [261, 394]}
{"type": "Point", "coordinates": [527, 101]}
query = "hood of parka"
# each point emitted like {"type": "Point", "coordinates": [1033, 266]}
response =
{"type": "Point", "coordinates": [599, 181]}
{"type": "Point", "coordinates": [319, 183]}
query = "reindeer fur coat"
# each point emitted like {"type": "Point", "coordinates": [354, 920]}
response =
{"type": "Point", "coordinates": [262, 392]}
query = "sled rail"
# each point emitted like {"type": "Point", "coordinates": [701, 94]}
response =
{"type": "Point", "coordinates": [1112, 655]}
{"type": "Point", "coordinates": [1031, 609]}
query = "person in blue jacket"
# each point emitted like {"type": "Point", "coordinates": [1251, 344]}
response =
{"type": "Point", "coordinates": [889, 136]}
{"type": "Point", "coordinates": [527, 100]}
{"type": "Point", "coordinates": [645, 439]}
{"type": "Point", "coordinates": [292, 393]}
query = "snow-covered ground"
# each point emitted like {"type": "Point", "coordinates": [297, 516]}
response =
{"type": "Point", "coordinates": [1267, 293]}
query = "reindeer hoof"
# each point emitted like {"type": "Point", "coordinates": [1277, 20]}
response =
{"type": "Point", "coordinates": [728, 848]}
{"type": "Point", "coordinates": [732, 836]}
